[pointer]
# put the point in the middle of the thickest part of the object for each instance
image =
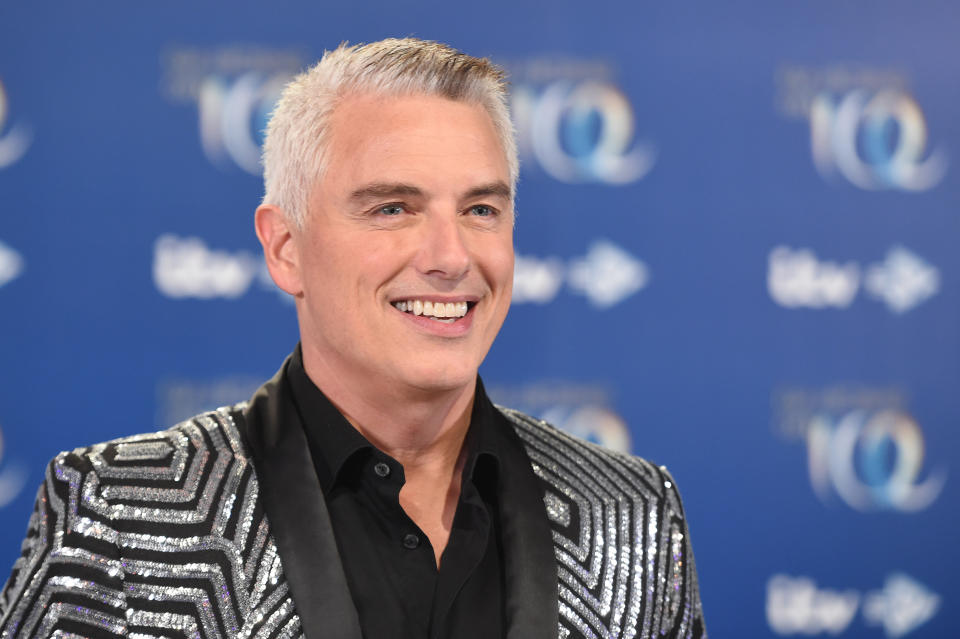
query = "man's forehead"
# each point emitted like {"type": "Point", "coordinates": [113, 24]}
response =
{"type": "Point", "coordinates": [399, 144]}
{"type": "Point", "coordinates": [356, 113]}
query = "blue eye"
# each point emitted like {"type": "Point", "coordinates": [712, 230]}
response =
{"type": "Point", "coordinates": [482, 210]}
{"type": "Point", "coordinates": [391, 210]}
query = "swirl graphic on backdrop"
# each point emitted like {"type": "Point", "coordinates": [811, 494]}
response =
{"type": "Point", "coordinates": [11, 264]}
{"type": "Point", "coordinates": [593, 423]}
{"type": "Point", "coordinates": [872, 461]}
{"type": "Point", "coordinates": [13, 143]}
{"type": "Point", "coordinates": [875, 140]}
{"type": "Point", "coordinates": [581, 132]}
{"type": "Point", "coordinates": [233, 115]}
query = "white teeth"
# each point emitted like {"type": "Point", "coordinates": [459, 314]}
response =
{"type": "Point", "coordinates": [447, 311]}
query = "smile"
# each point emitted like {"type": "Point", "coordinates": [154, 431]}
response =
{"type": "Point", "coordinates": [446, 312]}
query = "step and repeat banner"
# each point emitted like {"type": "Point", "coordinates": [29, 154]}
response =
{"type": "Point", "coordinates": [736, 256]}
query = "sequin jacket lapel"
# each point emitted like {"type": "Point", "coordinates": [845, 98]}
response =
{"type": "Point", "coordinates": [624, 560]}
{"type": "Point", "coordinates": [165, 534]}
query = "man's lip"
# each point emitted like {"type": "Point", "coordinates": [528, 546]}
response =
{"type": "Point", "coordinates": [433, 299]}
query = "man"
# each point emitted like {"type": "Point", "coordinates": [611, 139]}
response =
{"type": "Point", "coordinates": [370, 489]}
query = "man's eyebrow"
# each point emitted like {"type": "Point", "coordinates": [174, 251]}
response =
{"type": "Point", "coordinates": [494, 188]}
{"type": "Point", "coordinates": [393, 189]}
{"type": "Point", "coordinates": [385, 189]}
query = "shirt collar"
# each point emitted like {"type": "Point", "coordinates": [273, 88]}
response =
{"type": "Point", "coordinates": [334, 441]}
{"type": "Point", "coordinates": [485, 441]}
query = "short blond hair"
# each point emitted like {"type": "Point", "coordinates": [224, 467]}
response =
{"type": "Point", "coordinates": [297, 137]}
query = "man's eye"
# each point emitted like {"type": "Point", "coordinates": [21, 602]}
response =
{"type": "Point", "coordinates": [482, 210]}
{"type": "Point", "coordinates": [391, 210]}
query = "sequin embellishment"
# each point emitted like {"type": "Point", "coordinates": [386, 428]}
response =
{"type": "Point", "coordinates": [164, 533]}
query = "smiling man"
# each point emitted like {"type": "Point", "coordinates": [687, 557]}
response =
{"type": "Point", "coordinates": [370, 489]}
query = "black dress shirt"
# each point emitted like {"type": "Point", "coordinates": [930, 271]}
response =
{"type": "Point", "coordinates": [389, 562]}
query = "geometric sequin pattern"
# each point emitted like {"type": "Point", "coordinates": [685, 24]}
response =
{"type": "Point", "coordinates": [557, 510]}
{"type": "Point", "coordinates": [164, 535]}
{"type": "Point", "coordinates": [157, 535]}
{"type": "Point", "coordinates": [624, 562]}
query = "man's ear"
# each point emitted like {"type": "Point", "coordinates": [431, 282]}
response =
{"type": "Point", "coordinates": [276, 234]}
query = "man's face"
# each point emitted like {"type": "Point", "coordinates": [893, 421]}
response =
{"type": "Point", "coordinates": [414, 211]}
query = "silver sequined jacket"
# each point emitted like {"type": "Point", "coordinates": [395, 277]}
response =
{"type": "Point", "coordinates": [171, 534]}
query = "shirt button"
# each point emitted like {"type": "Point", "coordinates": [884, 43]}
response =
{"type": "Point", "coordinates": [381, 469]}
{"type": "Point", "coordinates": [410, 541]}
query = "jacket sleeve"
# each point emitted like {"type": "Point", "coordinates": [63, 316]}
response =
{"type": "Point", "coordinates": [68, 579]}
{"type": "Point", "coordinates": [685, 611]}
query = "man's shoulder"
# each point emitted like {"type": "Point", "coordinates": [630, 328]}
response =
{"type": "Point", "coordinates": [563, 457]}
{"type": "Point", "coordinates": [155, 481]}
{"type": "Point", "coordinates": [609, 509]}
{"type": "Point", "coordinates": [169, 452]}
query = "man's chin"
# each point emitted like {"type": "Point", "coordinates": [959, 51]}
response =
{"type": "Point", "coordinates": [440, 381]}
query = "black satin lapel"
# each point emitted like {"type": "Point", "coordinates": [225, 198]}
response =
{"type": "Point", "coordinates": [298, 516]}
{"type": "Point", "coordinates": [530, 565]}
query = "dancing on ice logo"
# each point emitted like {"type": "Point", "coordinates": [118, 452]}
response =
{"type": "Point", "coordinates": [234, 112]}
{"type": "Point", "coordinates": [876, 140]}
{"type": "Point", "coordinates": [581, 132]}
{"type": "Point", "coordinates": [862, 446]}
{"type": "Point", "coordinates": [14, 140]}
{"type": "Point", "coordinates": [234, 89]}
{"type": "Point", "coordinates": [865, 126]}
{"type": "Point", "coordinates": [575, 123]}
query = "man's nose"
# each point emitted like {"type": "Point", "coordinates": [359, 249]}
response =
{"type": "Point", "coordinates": [442, 250]}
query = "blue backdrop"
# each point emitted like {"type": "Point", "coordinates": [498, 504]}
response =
{"type": "Point", "coordinates": [736, 257]}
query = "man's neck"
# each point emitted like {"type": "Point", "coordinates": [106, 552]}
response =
{"type": "Point", "coordinates": [424, 431]}
{"type": "Point", "coordinates": [409, 424]}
